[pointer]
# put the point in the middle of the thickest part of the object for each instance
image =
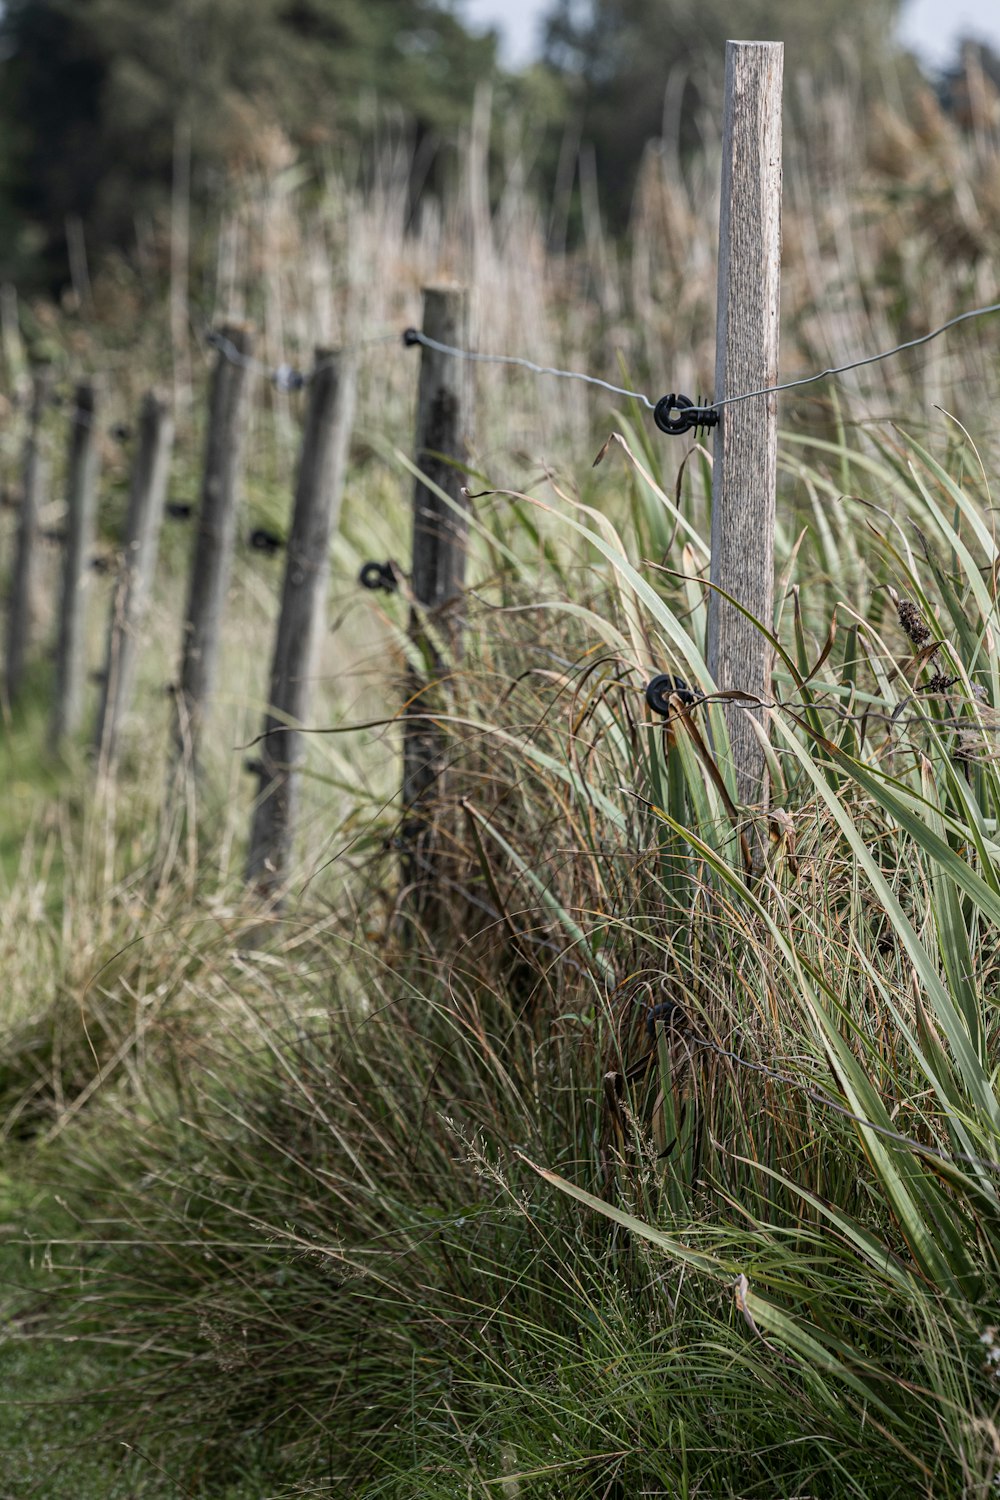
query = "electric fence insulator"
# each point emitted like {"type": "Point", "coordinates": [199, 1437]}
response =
{"type": "Point", "coordinates": [689, 418]}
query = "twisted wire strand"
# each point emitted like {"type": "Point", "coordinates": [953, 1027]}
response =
{"type": "Point", "coordinates": [287, 377]}
{"type": "Point", "coordinates": [416, 337]}
{"type": "Point", "coordinates": [816, 1094]}
{"type": "Point", "coordinates": [868, 359]}
{"type": "Point", "coordinates": [819, 1095]}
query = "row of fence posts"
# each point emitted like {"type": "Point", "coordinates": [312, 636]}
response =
{"type": "Point", "coordinates": [742, 521]}
{"type": "Point", "coordinates": [437, 576]}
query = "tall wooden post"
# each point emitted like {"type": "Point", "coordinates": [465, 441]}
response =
{"type": "Point", "coordinates": [746, 358]}
{"type": "Point", "coordinates": [21, 601]}
{"type": "Point", "coordinates": [211, 561]}
{"type": "Point", "coordinates": [438, 569]}
{"type": "Point", "coordinates": [140, 543]}
{"type": "Point", "coordinates": [320, 484]}
{"type": "Point", "coordinates": [81, 523]}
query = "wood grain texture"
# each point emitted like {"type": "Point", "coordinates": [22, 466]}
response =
{"type": "Point", "coordinates": [21, 602]}
{"type": "Point", "coordinates": [743, 486]}
{"type": "Point", "coordinates": [439, 528]}
{"type": "Point", "coordinates": [140, 545]}
{"type": "Point", "coordinates": [215, 537]}
{"type": "Point", "coordinates": [81, 523]}
{"type": "Point", "coordinates": [438, 570]}
{"type": "Point", "coordinates": [318, 492]}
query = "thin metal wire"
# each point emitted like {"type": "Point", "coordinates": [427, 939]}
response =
{"type": "Point", "coordinates": [414, 336]}
{"type": "Point", "coordinates": [869, 359]}
{"type": "Point", "coordinates": [819, 1096]}
{"type": "Point", "coordinates": [287, 377]}
{"type": "Point", "coordinates": [235, 356]}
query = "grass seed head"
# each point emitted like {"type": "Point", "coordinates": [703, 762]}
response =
{"type": "Point", "coordinates": [912, 622]}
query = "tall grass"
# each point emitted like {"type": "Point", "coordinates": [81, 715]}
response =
{"type": "Point", "coordinates": [775, 1086]}
{"type": "Point", "coordinates": [661, 1154]}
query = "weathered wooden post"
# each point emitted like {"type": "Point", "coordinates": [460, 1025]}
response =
{"type": "Point", "coordinates": [743, 484]}
{"type": "Point", "coordinates": [15, 364]}
{"type": "Point", "coordinates": [320, 484]}
{"type": "Point", "coordinates": [21, 600]}
{"type": "Point", "coordinates": [438, 567]}
{"type": "Point", "coordinates": [140, 543]}
{"type": "Point", "coordinates": [215, 537]}
{"type": "Point", "coordinates": [81, 522]}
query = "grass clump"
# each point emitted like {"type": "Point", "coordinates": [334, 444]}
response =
{"type": "Point", "coordinates": [662, 1153]}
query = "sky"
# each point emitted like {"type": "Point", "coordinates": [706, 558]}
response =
{"type": "Point", "coordinates": [931, 29]}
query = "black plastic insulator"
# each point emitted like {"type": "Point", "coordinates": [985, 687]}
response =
{"type": "Point", "coordinates": [669, 1013]}
{"type": "Point", "coordinates": [410, 337]}
{"type": "Point", "coordinates": [287, 378]}
{"type": "Point", "coordinates": [666, 686]}
{"type": "Point", "coordinates": [264, 540]}
{"type": "Point", "coordinates": [689, 417]}
{"type": "Point", "coordinates": [376, 575]}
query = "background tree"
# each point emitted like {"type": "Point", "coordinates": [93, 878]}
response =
{"type": "Point", "coordinates": [617, 56]}
{"type": "Point", "coordinates": [93, 91]}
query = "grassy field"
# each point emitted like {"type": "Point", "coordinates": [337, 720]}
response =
{"type": "Point", "coordinates": [656, 1151]}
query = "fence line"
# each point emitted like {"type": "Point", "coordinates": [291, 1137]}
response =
{"type": "Point", "coordinates": [414, 336]}
{"type": "Point", "coordinates": [287, 377]}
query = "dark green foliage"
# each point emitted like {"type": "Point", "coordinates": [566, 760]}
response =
{"type": "Point", "coordinates": [102, 90]}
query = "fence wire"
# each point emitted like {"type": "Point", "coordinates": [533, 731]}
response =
{"type": "Point", "coordinates": [286, 377]}
{"type": "Point", "coordinates": [289, 378]}
{"type": "Point", "coordinates": [414, 336]}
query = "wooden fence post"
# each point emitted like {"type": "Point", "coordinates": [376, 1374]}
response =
{"type": "Point", "coordinates": [318, 490]}
{"type": "Point", "coordinates": [743, 483]}
{"type": "Point", "coordinates": [21, 601]}
{"type": "Point", "coordinates": [81, 522]}
{"type": "Point", "coordinates": [438, 567]}
{"type": "Point", "coordinates": [215, 536]}
{"type": "Point", "coordinates": [140, 543]}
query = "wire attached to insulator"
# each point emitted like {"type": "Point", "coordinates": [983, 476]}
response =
{"type": "Point", "coordinates": [666, 686]}
{"type": "Point", "coordinates": [288, 378]}
{"type": "Point", "coordinates": [376, 575]}
{"type": "Point", "coordinates": [689, 418]}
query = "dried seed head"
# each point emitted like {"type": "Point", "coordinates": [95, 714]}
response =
{"type": "Point", "coordinates": [912, 622]}
{"type": "Point", "coordinates": [940, 684]}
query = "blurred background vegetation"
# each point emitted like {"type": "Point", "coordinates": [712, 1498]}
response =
{"type": "Point", "coordinates": [105, 102]}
